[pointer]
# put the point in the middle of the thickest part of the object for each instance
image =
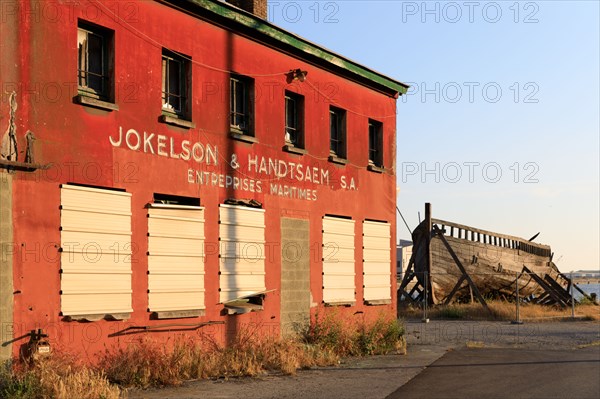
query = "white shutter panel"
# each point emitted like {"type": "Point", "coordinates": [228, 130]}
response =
{"type": "Point", "coordinates": [175, 258]}
{"type": "Point", "coordinates": [377, 262]}
{"type": "Point", "coordinates": [338, 261]}
{"type": "Point", "coordinates": [242, 251]}
{"type": "Point", "coordinates": [96, 251]}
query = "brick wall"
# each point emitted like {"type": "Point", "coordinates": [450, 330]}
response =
{"type": "Point", "coordinates": [256, 7]}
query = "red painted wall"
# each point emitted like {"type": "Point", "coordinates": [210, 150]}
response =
{"type": "Point", "coordinates": [75, 140]}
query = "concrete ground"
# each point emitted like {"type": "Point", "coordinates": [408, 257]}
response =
{"type": "Point", "coordinates": [356, 378]}
{"type": "Point", "coordinates": [543, 335]}
{"type": "Point", "coordinates": [446, 359]}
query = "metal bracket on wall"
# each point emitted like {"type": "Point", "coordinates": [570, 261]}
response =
{"type": "Point", "coordinates": [22, 166]}
{"type": "Point", "coordinates": [163, 327]}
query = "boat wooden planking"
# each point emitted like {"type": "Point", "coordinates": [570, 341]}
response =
{"type": "Point", "coordinates": [455, 262]}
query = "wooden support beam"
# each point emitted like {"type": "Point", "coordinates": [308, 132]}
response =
{"type": "Point", "coordinates": [407, 295]}
{"type": "Point", "coordinates": [22, 166]}
{"type": "Point", "coordinates": [408, 271]}
{"type": "Point", "coordinates": [585, 294]}
{"type": "Point", "coordinates": [462, 269]}
{"type": "Point", "coordinates": [551, 292]}
{"type": "Point", "coordinates": [456, 287]}
{"type": "Point", "coordinates": [559, 289]}
{"type": "Point", "coordinates": [429, 225]}
{"type": "Point", "coordinates": [408, 277]}
{"type": "Point", "coordinates": [417, 288]}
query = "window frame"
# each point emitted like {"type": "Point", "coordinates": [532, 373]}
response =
{"type": "Point", "coordinates": [337, 144]}
{"type": "Point", "coordinates": [184, 92]}
{"type": "Point", "coordinates": [298, 111]}
{"type": "Point", "coordinates": [375, 143]}
{"type": "Point", "coordinates": [106, 76]}
{"type": "Point", "coordinates": [247, 112]}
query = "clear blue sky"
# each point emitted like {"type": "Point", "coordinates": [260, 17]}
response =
{"type": "Point", "coordinates": [499, 87]}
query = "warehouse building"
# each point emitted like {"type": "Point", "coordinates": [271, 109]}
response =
{"type": "Point", "coordinates": [186, 167]}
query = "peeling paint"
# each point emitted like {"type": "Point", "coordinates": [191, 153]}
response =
{"type": "Point", "coordinates": [29, 138]}
{"type": "Point", "coordinates": [9, 149]}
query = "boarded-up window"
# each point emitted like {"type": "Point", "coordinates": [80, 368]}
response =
{"type": "Point", "coordinates": [242, 252]}
{"type": "Point", "coordinates": [96, 252]}
{"type": "Point", "coordinates": [175, 260]}
{"type": "Point", "coordinates": [338, 261]}
{"type": "Point", "coordinates": [377, 262]}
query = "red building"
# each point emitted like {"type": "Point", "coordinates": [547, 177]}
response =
{"type": "Point", "coordinates": [186, 165]}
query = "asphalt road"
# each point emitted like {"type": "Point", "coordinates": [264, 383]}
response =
{"type": "Point", "coordinates": [508, 373]}
{"type": "Point", "coordinates": [544, 360]}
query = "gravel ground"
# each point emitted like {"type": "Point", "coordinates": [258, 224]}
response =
{"type": "Point", "coordinates": [378, 376]}
{"type": "Point", "coordinates": [548, 335]}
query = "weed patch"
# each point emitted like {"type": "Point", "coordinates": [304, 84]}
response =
{"type": "Point", "coordinates": [146, 363]}
{"type": "Point", "coordinates": [55, 376]}
{"type": "Point", "coordinates": [331, 333]}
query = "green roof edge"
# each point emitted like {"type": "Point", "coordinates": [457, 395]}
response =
{"type": "Point", "coordinates": [248, 20]}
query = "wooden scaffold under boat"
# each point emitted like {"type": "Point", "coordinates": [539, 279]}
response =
{"type": "Point", "coordinates": [454, 262]}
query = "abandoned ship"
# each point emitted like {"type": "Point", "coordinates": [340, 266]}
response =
{"type": "Point", "coordinates": [455, 262]}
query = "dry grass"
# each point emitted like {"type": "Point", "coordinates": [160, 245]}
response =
{"type": "Point", "coordinates": [475, 344]}
{"type": "Point", "coordinates": [146, 363]}
{"type": "Point", "coordinates": [591, 344]}
{"type": "Point", "coordinates": [501, 310]}
{"type": "Point", "coordinates": [586, 312]}
{"type": "Point", "coordinates": [378, 337]}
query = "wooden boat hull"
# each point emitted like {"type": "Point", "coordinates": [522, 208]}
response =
{"type": "Point", "coordinates": [491, 260]}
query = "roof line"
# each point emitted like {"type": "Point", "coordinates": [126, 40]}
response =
{"type": "Point", "coordinates": [282, 38]}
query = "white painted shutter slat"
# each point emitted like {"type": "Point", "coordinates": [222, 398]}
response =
{"type": "Point", "coordinates": [96, 251]}
{"type": "Point", "coordinates": [175, 258]}
{"type": "Point", "coordinates": [377, 261]}
{"type": "Point", "coordinates": [338, 260]}
{"type": "Point", "coordinates": [242, 252]}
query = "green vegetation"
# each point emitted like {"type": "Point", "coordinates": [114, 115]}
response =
{"type": "Point", "coordinates": [55, 377]}
{"type": "Point", "coordinates": [452, 312]}
{"type": "Point", "coordinates": [24, 385]}
{"type": "Point", "coordinates": [588, 301]}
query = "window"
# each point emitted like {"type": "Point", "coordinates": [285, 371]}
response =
{"type": "Point", "coordinates": [338, 261]}
{"type": "Point", "coordinates": [240, 101]}
{"type": "Point", "coordinates": [242, 257]}
{"type": "Point", "coordinates": [95, 61]}
{"type": "Point", "coordinates": [294, 118]}
{"type": "Point", "coordinates": [176, 82]}
{"type": "Point", "coordinates": [375, 143]}
{"type": "Point", "coordinates": [377, 263]}
{"type": "Point", "coordinates": [96, 249]}
{"type": "Point", "coordinates": [337, 132]}
{"type": "Point", "coordinates": [175, 257]}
